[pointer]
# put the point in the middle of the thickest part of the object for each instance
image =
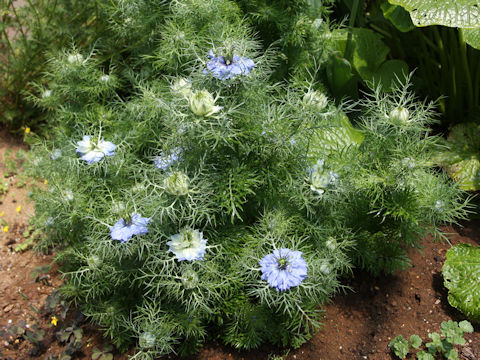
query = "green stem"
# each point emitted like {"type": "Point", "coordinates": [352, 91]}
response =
{"type": "Point", "coordinates": [455, 101]}
{"type": "Point", "coordinates": [349, 47]}
{"type": "Point", "coordinates": [466, 68]}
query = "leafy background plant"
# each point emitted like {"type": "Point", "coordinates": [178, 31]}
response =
{"type": "Point", "coordinates": [28, 31]}
{"type": "Point", "coordinates": [460, 273]}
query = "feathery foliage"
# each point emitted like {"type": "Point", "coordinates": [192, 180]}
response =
{"type": "Point", "coordinates": [226, 171]}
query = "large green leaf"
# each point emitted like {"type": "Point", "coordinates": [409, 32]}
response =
{"type": "Point", "coordinates": [472, 37]}
{"type": "Point", "coordinates": [453, 13]}
{"type": "Point", "coordinates": [340, 77]}
{"type": "Point", "coordinates": [391, 72]}
{"type": "Point", "coordinates": [461, 273]}
{"type": "Point", "coordinates": [336, 137]}
{"type": "Point", "coordinates": [369, 51]}
{"type": "Point", "coordinates": [461, 158]}
{"type": "Point", "coordinates": [398, 16]}
{"type": "Point", "coordinates": [466, 173]}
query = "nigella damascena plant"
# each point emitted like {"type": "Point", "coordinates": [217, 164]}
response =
{"type": "Point", "coordinates": [321, 179]}
{"type": "Point", "coordinates": [283, 269]}
{"type": "Point", "coordinates": [123, 230]}
{"type": "Point", "coordinates": [202, 103]}
{"type": "Point", "coordinates": [188, 244]}
{"type": "Point", "coordinates": [176, 183]}
{"type": "Point", "coordinates": [228, 67]}
{"type": "Point", "coordinates": [92, 151]}
{"type": "Point", "coordinates": [165, 160]}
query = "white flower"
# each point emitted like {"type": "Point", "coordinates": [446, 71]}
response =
{"type": "Point", "coordinates": [92, 152]}
{"type": "Point", "coordinates": [68, 195]}
{"type": "Point", "coordinates": [47, 94]}
{"type": "Point", "coordinates": [188, 245]}
{"type": "Point", "coordinates": [105, 78]}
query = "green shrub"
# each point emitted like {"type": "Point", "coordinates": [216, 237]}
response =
{"type": "Point", "coordinates": [27, 32]}
{"type": "Point", "coordinates": [195, 202]}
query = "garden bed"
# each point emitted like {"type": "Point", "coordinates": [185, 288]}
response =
{"type": "Point", "coordinates": [358, 324]}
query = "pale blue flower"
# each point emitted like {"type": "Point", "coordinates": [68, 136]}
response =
{"type": "Point", "coordinates": [283, 269]}
{"type": "Point", "coordinates": [188, 245]}
{"type": "Point", "coordinates": [123, 230]}
{"type": "Point", "coordinates": [164, 161]}
{"type": "Point", "coordinates": [92, 152]}
{"type": "Point", "coordinates": [224, 69]}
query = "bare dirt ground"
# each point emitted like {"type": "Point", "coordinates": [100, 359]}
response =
{"type": "Point", "coordinates": [358, 324]}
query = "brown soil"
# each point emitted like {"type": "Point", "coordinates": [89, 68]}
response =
{"type": "Point", "coordinates": [358, 324]}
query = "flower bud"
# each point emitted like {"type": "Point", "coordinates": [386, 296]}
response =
{"type": "Point", "coordinates": [325, 267]}
{"type": "Point", "coordinates": [68, 196]}
{"type": "Point", "coordinates": [399, 114]}
{"type": "Point", "coordinates": [176, 183]}
{"type": "Point", "coordinates": [56, 154]}
{"type": "Point", "coordinates": [189, 279]}
{"type": "Point", "coordinates": [331, 243]}
{"type": "Point", "coordinates": [202, 103]}
{"type": "Point", "coordinates": [75, 58]}
{"type": "Point", "coordinates": [94, 262]}
{"type": "Point", "coordinates": [316, 99]}
{"type": "Point", "coordinates": [440, 205]}
{"type": "Point", "coordinates": [147, 340]}
{"type": "Point", "coordinates": [182, 87]}
{"type": "Point", "coordinates": [118, 207]}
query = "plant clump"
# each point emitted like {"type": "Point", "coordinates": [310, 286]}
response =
{"type": "Point", "coordinates": [208, 201]}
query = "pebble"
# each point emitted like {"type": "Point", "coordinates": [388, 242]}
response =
{"type": "Point", "coordinates": [7, 308]}
{"type": "Point", "coordinates": [437, 301]}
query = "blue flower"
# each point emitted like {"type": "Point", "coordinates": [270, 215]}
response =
{"type": "Point", "coordinates": [92, 152]}
{"type": "Point", "coordinates": [224, 69]}
{"type": "Point", "coordinates": [283, 269]}
{"type": "Point", "coordinates": [164, 161]}
{"type": "Point", "coordinates": [123, 231]}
